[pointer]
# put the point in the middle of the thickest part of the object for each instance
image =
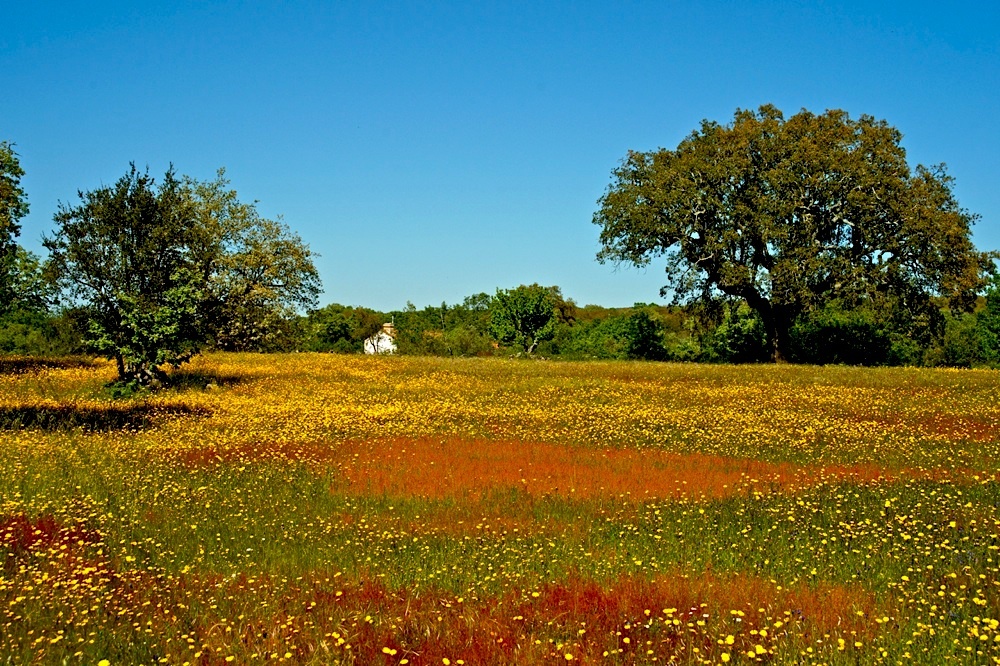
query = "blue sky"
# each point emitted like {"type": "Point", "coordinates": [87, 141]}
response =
{"type": "Point", "coordinates": [428, 151]}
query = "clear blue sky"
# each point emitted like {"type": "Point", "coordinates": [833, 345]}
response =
{"type": "Point", "coordinates": [428, 151]}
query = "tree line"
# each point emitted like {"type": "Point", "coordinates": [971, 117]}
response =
{"type": "Point", "coordinates": [535, 320]}
{"type": "Point", "coordinates": [806, 239]}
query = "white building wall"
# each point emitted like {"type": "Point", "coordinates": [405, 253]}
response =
{"type": "Point", "coordinates": [380, 343]}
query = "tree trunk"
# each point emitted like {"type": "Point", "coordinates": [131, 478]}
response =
{"type": "Point", "coordinates": [776, 324]}
{"type": "Point", "coordinates": [774, 337]}
{"type": "Point", "coordinates": [778, 343]}
{"type": "Point", "coordinates": [121, 367]}
{"type": "Point", "coordinates": [781, 325]}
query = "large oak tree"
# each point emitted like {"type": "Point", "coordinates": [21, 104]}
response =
{"type": "Point", "coordinates": [789, 214]}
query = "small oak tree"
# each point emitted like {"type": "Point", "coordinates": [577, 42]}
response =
{"type": "Point", "coordinates": [165, 268]}
{"type": "Point", "coordinates": [524, 316]}
{"type": "Point", "coordinates": [124, 253]}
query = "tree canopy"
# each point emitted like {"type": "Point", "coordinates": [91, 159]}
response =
{"type": "Point", "coordinates": [124, 252]}
{"type": "Point", "coordinates": [165, 268]}
{"type": "Point", "coordinates": [524, 316]}
{"type": "Point", "coordinates": [13, 206]}
{"type": "Point", "coordinates": [257, 272]}
{"type": "Point", "coordinates": [789, 215]}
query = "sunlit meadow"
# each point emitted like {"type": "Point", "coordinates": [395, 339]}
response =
{"type": "Point", "coordinates": [322, 509]}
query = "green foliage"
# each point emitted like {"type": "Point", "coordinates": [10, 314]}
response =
{"type": "Point", "coordinates": [152, 330]}
{"type": "Point", "coordinates": [592, 339]}
{"type": "Point", "coordinates": [341, 329]}
{"type": "Point", "coordinates": [965, 343]}
{"type": "Point", "coordinates": [988, 323]}
{"type": "Point", "coordinates": [24, 333]}
{"type": "Point", "coordinates": [445, 330]}
{"type": "Point", "coordinates": [28, 325]}
{"type": "Point", "coordinates": [643, 335]}
{"type": "Point", "coordinates": [969, 340]}
{"type": "Point", "coordinates": [714, 331]}
{"type": "Point", "coordinates": [164, 269]}
{"type": "Point", "coordinates": [124, 252]}
{"type": "Point", "coordinates": [28, 288]}
{"type": "Point", "coordinates": [448, 330]}
{"type": "Point", "coordinates": [682, 348]}
{"type": "Point", "coordinates": [636, 334]}
{"type": "Point", "coordinates": [740, 338]}
{"type": "Point", "coordinates": [465, 340]}
{"type": "Point", "coordinates": [525, 316]}
{"type": "Point", "coordinates": [788, 215]}
{"type": "Point", "coordinates": [962, 345]}
{"type": "Point", "coordinates": [833, 335]}
{"type": "Point", "coordinates": [257, 273]}
{"type": "Point", "coordinates": [13, 207]}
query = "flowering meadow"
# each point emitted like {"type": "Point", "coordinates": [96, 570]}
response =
{"type": "Point", "coordinates": [324, 509]}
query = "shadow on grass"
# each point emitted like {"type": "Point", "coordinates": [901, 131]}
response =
{"type": "Point", "coordinates": [15, 365]}
{"type": "Point", "coordinates": [91, 419]}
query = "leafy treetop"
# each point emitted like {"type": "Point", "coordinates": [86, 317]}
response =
{"type": "Point", "coordinates": [788, 215]}
{"type": "Point", "coordinates": [13, 207]}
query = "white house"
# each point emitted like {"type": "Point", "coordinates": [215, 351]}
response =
{"type": "Point", "coordinates": [382, 342]}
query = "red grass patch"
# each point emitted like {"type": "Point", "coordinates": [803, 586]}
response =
{"type": "Point", "coordinates": [436, 468]}
{"type": "Point", "coordinates": [319, 454]}
{"type": "Point", "coordinates": [322, 618]}
{"type": "Point", "coordinates": [631, 619]}
{"type": "Point", "coordinates": [20, 534]}
{"type": "Point", "coordinates": [959, 428]}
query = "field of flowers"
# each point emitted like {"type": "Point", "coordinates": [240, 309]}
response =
{"type": "Point", "coordinates": [321, 509]}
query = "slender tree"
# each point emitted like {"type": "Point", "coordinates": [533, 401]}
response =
{"type": "Point", "coordinates": [257, 272]}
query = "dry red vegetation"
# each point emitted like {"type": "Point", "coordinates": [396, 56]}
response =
{"type": "Point", "coordinates": [435, 468]}
{"type": "Point", "coordinates": [628, 617]}
{"type": "Point", "coordinates": [960, 427]}
{"type": "Point", "coordinates": [949, 426]}
{"type": "Point", "coordinates": [20, 534]}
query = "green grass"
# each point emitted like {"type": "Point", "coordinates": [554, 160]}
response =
{"type": "Point", "coordinates": [223, 517]}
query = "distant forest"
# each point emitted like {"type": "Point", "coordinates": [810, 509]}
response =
{"type": "Point", "coordinates": [722, 332]}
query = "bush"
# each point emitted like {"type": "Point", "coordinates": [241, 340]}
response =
{"type": "Point", "coordinates": [850, 337]}
{"type": "Point", "coordinates": [963, 345]}
{"type": "Point", "coordinates": [36, 333]}
{"type": "Point", "coordinates": [682, 348]}
{"type": "Point", "coordinates": [739, 338]}
{"type": "Point", "coordinates": [634, 335]}
{"type": "Point", "coordinates": [988, 323]}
